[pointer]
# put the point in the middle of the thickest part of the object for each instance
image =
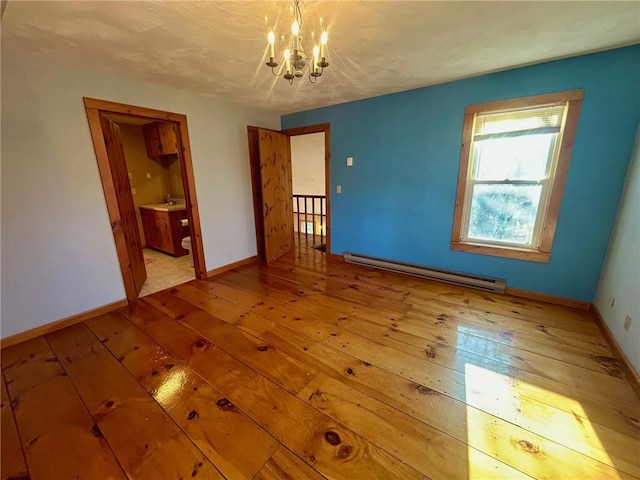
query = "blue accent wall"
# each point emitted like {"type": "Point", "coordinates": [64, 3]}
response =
{"type": "Point", "coordinates": [397, 200]}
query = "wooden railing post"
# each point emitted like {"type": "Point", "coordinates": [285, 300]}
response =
{"type": "Point", "coordinates": [305, 213]}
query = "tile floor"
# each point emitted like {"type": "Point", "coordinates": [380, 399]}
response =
{"type": "Point", "coordinates": [164, 271]}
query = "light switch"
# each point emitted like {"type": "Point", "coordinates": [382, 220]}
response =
{"type": "Point", "coordinates": [148, 175]}
{"type": "Point", "coordinates": [338, 188]}
{"type": "Point", "coordinates": [349, 161]}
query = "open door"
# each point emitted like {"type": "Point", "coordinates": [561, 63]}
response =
{"type": "Point", "coordinates": [270, 158]}
{"type": "Point", "coordinates": [134, 263]}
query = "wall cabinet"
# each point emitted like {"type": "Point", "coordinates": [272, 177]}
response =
{"type": "Point", "coordinates": [161, 138]}
{"type": "Point", "coordinates": [163, 231]}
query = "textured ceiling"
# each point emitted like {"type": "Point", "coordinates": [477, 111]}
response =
{"type": "Point", "coordinates": [218, 48]}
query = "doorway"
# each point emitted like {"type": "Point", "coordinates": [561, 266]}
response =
{"type": "Point", "coordinates": [279, 215]}
{"type": "Point", "coordinates": [167, 140]}
{"type": "Point", "coordinates": [309, 190]}
{"type": "Point", "coordinates": [308, 138]}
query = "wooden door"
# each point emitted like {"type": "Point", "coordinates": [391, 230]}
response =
{"type": "Point", "coordinates": [134, 265]}
{"type": "Point", "coordinates": [254, 161]}
{"type": "Point", "coordinates": [274, 151]}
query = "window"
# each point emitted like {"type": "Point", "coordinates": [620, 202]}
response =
{"type": "Point", "coordinates": [513, 166]}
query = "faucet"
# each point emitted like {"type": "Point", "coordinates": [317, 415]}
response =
{"type": "Point", "coordinates": [168, 200]}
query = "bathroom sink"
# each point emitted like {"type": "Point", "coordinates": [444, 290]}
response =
{"type": "Point", "coordinates": [165, 207]}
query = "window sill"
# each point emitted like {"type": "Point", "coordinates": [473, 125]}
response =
{"type": "Point", "coordinates": [507, 252]}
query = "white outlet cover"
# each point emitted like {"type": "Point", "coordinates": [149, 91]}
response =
{"type": "Point", "coordinates": [349, 161]}
{"type": "Point", "coordinates": [338, 188]}
{"type": "Point", "coordinates": [627, 322]}
{"type": "Point", "coordinates": [133, 191]}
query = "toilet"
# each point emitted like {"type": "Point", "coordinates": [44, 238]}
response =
{"type": "Point", "coordinates": [186, 244]}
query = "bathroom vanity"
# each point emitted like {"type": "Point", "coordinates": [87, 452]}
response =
{"type": "Point", "coordinates": [163, 227]}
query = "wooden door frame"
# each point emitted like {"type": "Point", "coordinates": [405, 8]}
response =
{"type": "Point", "coordinates": [94, 108]}
{"type": "Point", "coordinates": [256, 189]}
{"type": "Point", "coordinates": [326, 129]}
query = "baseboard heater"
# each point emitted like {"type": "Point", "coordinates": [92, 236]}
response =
{"type": "Point", "coordinates": [487, 284]}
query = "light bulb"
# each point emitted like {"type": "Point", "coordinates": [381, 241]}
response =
{"type": "Point", "coordinates": [272, 49]}
{"type": "Point", "coordinates": [316, 54]}
{"type": "Point", "coordinates": [287, 61]}
{"type": "Point", "coordinates": [323, 41]}
{"type": "Point", "coordinates": [295, 28]}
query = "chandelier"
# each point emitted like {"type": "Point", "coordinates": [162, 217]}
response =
{"type": "Point", "coordinates": [294, 58]}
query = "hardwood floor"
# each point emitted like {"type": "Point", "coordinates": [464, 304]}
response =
{"type": "Point", "coordinates": [308, 369]}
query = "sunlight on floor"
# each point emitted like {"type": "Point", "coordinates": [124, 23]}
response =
{"type": "Point", "coordinates": [562, 420]}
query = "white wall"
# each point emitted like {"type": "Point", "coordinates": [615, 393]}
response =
{"type": "Point", "coordinates": [307, 164]}
{"type": "Point", "coordinates": [620, 277]}
{"type": "Point", "coordinates": [58, 253]}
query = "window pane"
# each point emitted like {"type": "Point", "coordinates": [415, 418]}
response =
{"type": "Point", "coordinates": [513, 158]}
{"type": "Point", "coordinates": [505, 213]}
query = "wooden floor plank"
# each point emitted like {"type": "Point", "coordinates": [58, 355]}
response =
{"type": "Point", "coordinates": [574, 433]}
{"type": "Point", "coordinates": [284, 465]}
{"type": "Point", "coordinates": [13, 464]}
{"type": "Point", "coordinates": [454, 383]}
{"type": "Point", "coordinates": [295, 424]}
{"type": "Point", "coordinates": [623, 418]}
{"type": "Point", "coordinates": [408, 289]}
{"type": "Point", "coordinates": [388, 331]}
{"type": "Point", "coordinates": [355, 291]}
{"type": "Point", "coordinates": [455, 350]}
{"type": "Point", "coordinates": [147, 443]}
{"type": "Point", "coordinates": [348, 294]}
{"type": "Point", "coordinates": [312, 368]}
{"type": "Point", "coordinates": [396, 431]}
{"type": "Point", "coordinates": [522, 345]}
{"type": "Point", "coordinates": [356, 286]}
{"type": "Point", "coordinates": [59, 437]}
{"type": "Point", "coordinates": [466, 297]}
{"type": "Point", "coordinates": [435, 454]}
{"type": "Point", "coordinates": [523, 360]}
{"type": "Point", "coordinates": [535, 387]}
{"type": "Point", "coordinates": [499, 470]}
{"type": "Point", "coordinates": [462, 420]}
{"type": "Point", "coordinates": [344, 308]}
{"type": "Point", "coordinates": [534, 337]}
{"type": "Point", "coordinates": [273, 364]}
{"type": "Point", "coordinates": [221, 433]}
